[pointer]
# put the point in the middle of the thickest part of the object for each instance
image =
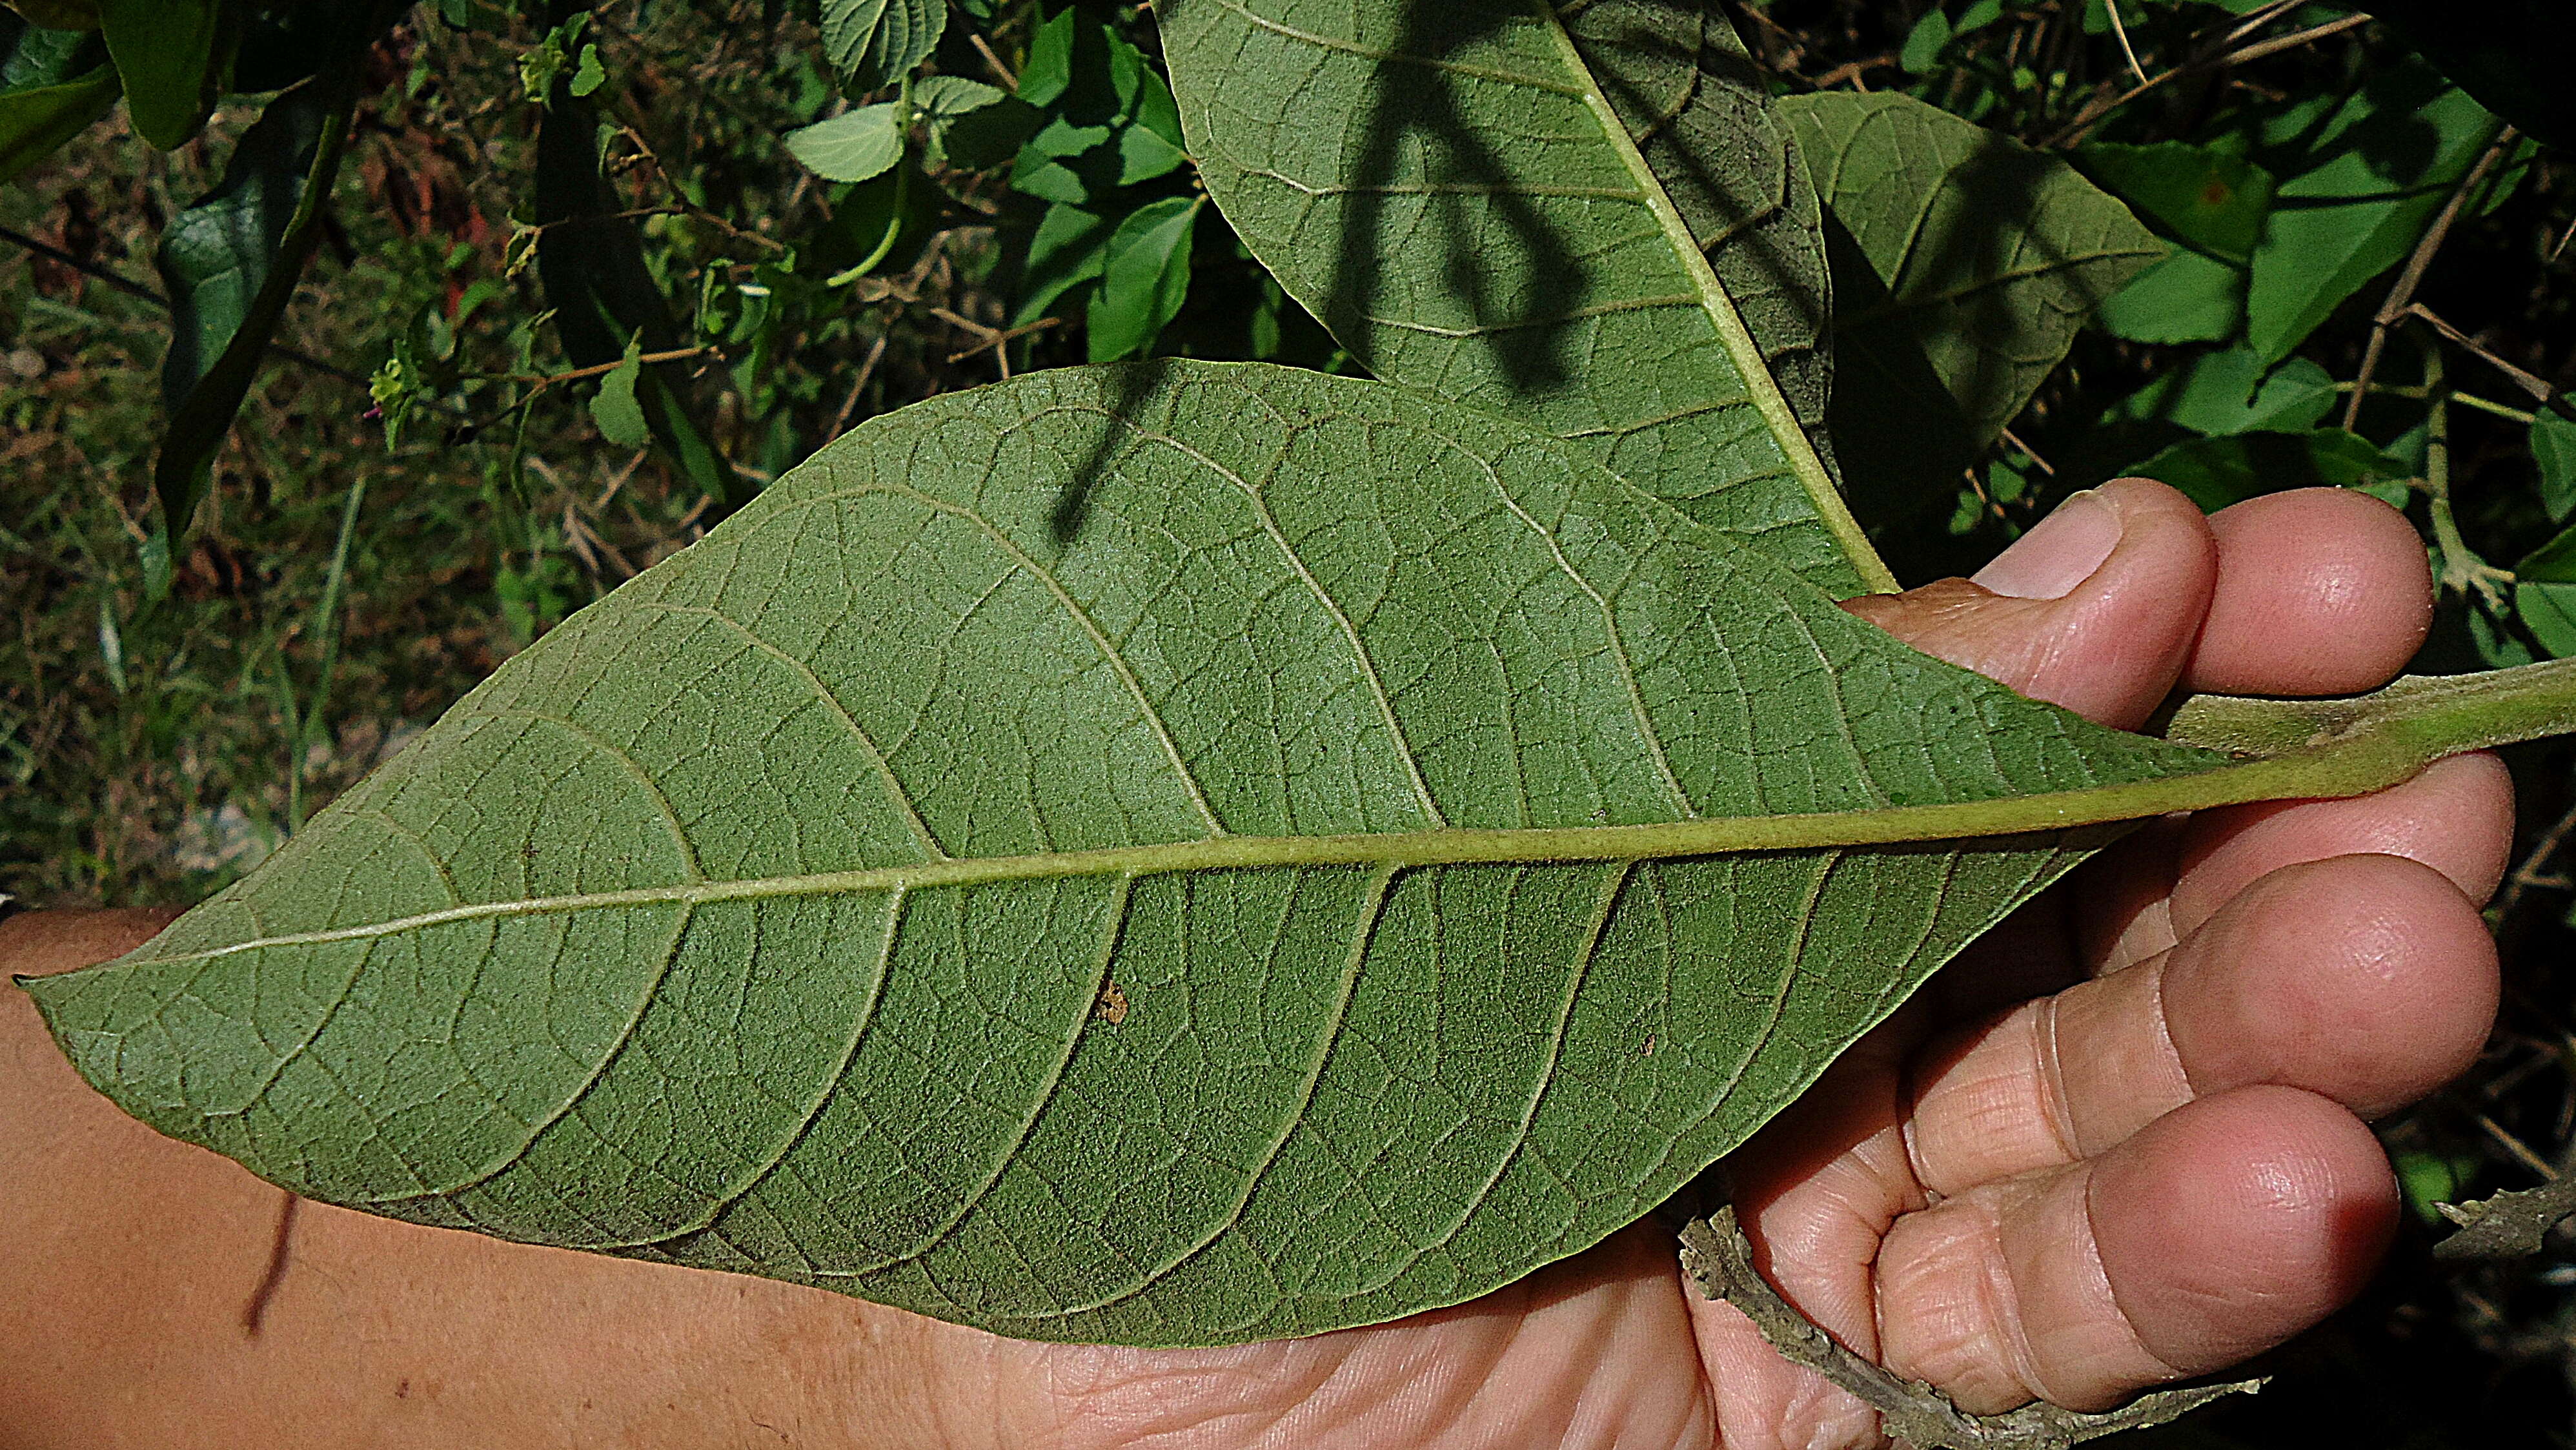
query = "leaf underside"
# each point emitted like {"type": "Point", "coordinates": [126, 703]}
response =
{"type": "Point", "coordinates": [1971, 263]}
{"type": "Point", "coordinates": [919, 887]}
{"type": "Point", "coordinates": [1561, 220]}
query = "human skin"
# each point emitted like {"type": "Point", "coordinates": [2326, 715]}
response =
{"type": "Point", "coordinates": [2120, 1141]}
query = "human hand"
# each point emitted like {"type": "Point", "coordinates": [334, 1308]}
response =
{"type": "Point", "coordinates": [2120, 1141]}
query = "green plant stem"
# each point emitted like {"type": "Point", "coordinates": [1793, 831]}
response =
{"type": "Point", "coordinates": [2462, 569]}
{"type": "Point", "coordinates": [2296, 749]}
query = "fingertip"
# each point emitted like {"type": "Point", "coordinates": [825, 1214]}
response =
{"type": "Point", "coordinates": [2368, 979]}
{"type": "Point", "coordinates": [2101, 631]}
{"type": "Point", "coordinates": [2236, 1221]}
{"type": "Point", "coordinates": [2320, 591]}
{"type": "Point", "coordinates": [2456, 817]}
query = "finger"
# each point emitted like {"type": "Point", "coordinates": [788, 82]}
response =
{"type": "Point", "coordinates": [2369, 980]}
{"type": "Point", "coordinates": [2222, 1229]}
{"type": "Point", "coordinates": [2160, 885]}
{"type": "Point", "coordinates": [2096, 609]}
{"type": "Point", "coordinates": [2320, 592]}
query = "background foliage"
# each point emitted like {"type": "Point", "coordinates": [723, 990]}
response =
{"type": "Point", "coordinates": [361, 344]}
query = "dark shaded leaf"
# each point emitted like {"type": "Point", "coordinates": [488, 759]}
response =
{"type": "Point", "coordinates": [172, 55]}
{"type": "Point", "coordinates": [2204, 198]}
{"type": "Point", "coordinates": [2515, 56]}
{"type": "Point", "coordinates": [53, 85]}
{"type": "Point", "coordinates": [2553, 449]}
{"type": "Point", "coordinates": [230, 263]}
{"type": "Point", "coordinates": [2216, 472]}
{"type": "Point", "coordinates": [1965, 263]}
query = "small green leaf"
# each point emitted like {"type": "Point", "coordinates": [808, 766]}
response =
{"type": "Point", "coordinates": [171, 54]}
{"type": "Point", "coordinates": [942, 99]}
{"type": "Point", "coordinates": [968, 123]}
{"type": "Point", "coordinates": [1049, 69]}
{"type": "Point", "coordinates": [2379, 170]}
{"type": "Point", "coordinates": [614, 408]}
{"type": "Point", "coordinates": [873, 43]}
{"type": "Point", "coordinates": [1925, 42]}
{"type": "Point", "coordinates": [853, 146]}
{"type": "Point", "coordinates": [546, 62]}
{"type": "Point", "coordinates": [590, 75]}
{"type": "Point", "coordinates": [2216, 472]}
{"type": "Point", "coordinates": [1144, 279]}
{"type": "Point", "coordinates": [2544, 594]}
{"type": "Point", "coordinates": [2553, 448]}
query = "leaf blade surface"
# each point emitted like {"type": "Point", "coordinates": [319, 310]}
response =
{"type": "Point", "coordinates": [1591, 222]}
{"type": "Point", "coordinates": [762, 916]}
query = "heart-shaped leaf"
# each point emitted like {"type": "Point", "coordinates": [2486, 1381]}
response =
{"type": "Point", "coordinates": [1172, 853]}
{"type": "Point", "coordinates": [1586, 217]}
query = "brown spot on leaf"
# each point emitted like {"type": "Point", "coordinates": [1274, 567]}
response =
{"type": "Point", "coordinates": [1112, 1006]}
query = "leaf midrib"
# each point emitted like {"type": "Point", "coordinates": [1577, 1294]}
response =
{"type": "Point", "coordinates": [1762, 390]}
{"type": "Point", "coordinates": [2355, 765]}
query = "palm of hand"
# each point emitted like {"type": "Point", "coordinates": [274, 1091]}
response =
{"type": "Point", "coordinates": [2117, 1144]}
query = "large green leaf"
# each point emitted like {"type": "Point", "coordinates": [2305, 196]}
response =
{"type": "Point", "coordinates": [1174, 853]}
{"type": "Point", "coordinates": [1590, 221]}
{"type": "Point", "coordinates": [172, 55]}
{"type": "Point", "coordinates": [1966, 263]}
{"type": "Point", "coordinates": [2378, 171]}
{"type": "Point", "coordinates": [231, 261]}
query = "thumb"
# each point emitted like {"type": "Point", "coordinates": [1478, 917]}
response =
{"type": "Point", "coordinates": [2096, 609]}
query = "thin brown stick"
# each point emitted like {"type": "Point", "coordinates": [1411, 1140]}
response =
{"type": "Point", "coordinates": [2533, 384]}
{"type": "Point", "coordinates": [2120, 28]}
{"type": "Point", "coordinates": [602, 369]}
{"type": "Point", "coordinates": [132, 288]}
{"type": "Point", "coordinates": [850, 404]}
{"type": "Point", "coordinates": [1002, 72]}
{"type": "Point", "coordinates": [2401, 295]}
{"type": "Point", "coordinates": [2029, 452]}
{"type": "Point", "coordinates": [2528, 874]}
{"type": "Point", "coordinates": [2206, 62]}
{"type": "Point", "coordinates": [699, 213]}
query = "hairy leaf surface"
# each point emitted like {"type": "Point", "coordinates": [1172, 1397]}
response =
{"type": "Point", "coordinates": [1168, 854]}
{"type": "Point", "coordinates": [1969, 262]}
{"type": "Point", "coordinates": [1590, 222]}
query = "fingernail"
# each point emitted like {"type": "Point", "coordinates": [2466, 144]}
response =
{"type": "Point", "coordinates": [2049, 561]}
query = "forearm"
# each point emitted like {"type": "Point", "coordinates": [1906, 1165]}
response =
{"type": "Point", "coordinates": [157, 1295]}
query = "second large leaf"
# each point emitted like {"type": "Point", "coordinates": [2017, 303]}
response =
{"type": "Point", "coordinates": [1584, 216]}
{"type": "Point", "coordinates": [1167, 854]}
